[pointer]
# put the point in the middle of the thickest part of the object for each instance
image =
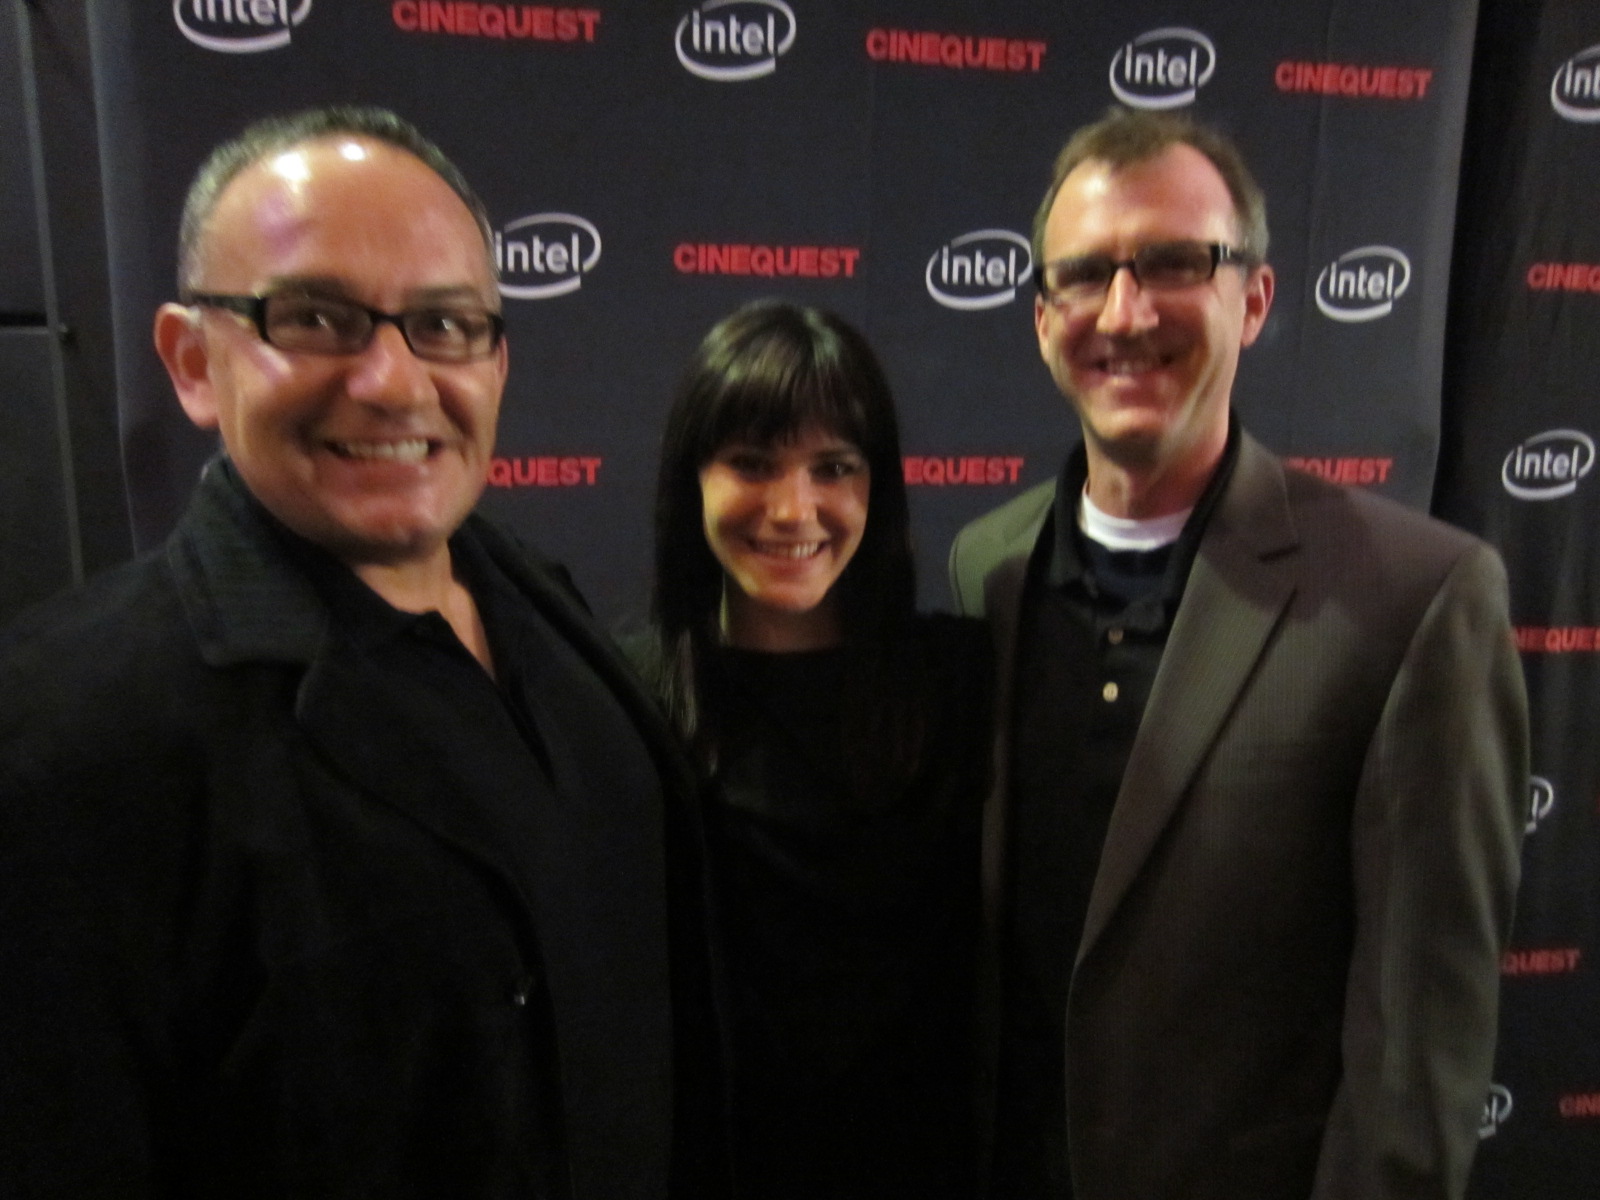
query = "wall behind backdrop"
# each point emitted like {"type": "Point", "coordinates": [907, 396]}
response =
{"type": "Point", "coordinates": [651, 164]}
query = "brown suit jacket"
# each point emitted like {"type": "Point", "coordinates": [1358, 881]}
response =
{"type": "Point", "coordinates": [1288, 977]}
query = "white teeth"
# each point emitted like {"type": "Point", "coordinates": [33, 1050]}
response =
{"type": "Point", "coordinates": [412, 450]}
{"type": "Point", "coordinates": [1129, 366]}
{"type": "Point", "coordinates": [789, 549]}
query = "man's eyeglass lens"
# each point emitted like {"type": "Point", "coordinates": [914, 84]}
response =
{"type": "Point", "coordinates": [328, 325]}
{"type": "Point", "coordinates": [1162, 266]}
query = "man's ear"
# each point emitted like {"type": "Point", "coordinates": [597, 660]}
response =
{"type": "Point", "coordinates": [1259, 287]}
{"type": "Point", "coordinates": [181, 343]}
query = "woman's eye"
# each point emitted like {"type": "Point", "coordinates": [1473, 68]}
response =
{"type": "Point", "coordinates": [837, 468]}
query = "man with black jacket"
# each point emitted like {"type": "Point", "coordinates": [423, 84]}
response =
{"type": "Point", "coordinates": [339, 854]}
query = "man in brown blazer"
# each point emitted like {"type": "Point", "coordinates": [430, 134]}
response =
{"type": "Point", "coordinates": [1251, 859]}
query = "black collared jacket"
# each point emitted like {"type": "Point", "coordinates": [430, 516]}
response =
{"type": "Point", "coordinates": [259, 940]}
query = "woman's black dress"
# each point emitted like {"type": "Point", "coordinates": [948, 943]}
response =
{"type": "Point", "coordinates": [849, 925]}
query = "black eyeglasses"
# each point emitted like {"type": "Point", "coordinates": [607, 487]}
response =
{"type": "Point", "coordinates": [311, 324]}
{"type": "Point", "coordinates": [1162, 266]}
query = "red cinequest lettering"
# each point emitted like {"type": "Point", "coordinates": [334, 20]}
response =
{"type": "Point", "coordinates": [466, 18]}
{"type": "Point", "coordinates": [438, 17]}
{"type": "Point", "coordinates": [544, 470]}
{"type": "Point", "coordinates": [1561, 639]}
{"type": "Point", "coordinates": [973, 470]}
{"type": "Point", "coordinates": [1348, 79]}
{"type": "Point", "coordinates": [1580, 1104]}
{"type": "Point", "coordinates": [1540, 962]}
{"type": "Point", "coordinates": [929, 48]}
{"type": "Point", "coordinates": [1364, 471]}
{"type": "Point", "coordinates": [743, 258]}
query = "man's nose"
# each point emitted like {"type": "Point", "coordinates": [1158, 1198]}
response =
{"type": "Point", "coordinates": [1127, 307]}
{"type": "Point", "coordinates": [388, 374]}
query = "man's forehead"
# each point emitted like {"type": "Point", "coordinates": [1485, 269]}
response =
{"type": "Point", "coordinates": [339, 193]}
{"type": "Point", "coordinates": [1178, 182]}
{"type": "Point", "coordinates": [341, 166]}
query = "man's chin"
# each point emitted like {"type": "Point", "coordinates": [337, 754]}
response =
{"type": "Point", "coordinates": [1129, 444]}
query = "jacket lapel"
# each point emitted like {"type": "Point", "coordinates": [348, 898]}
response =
{"type": "Point", "coordinates": [247, 601]}
{"type": "Point", "coordinates": [1238, 588]}
{"type": "Point", "coordinates": [386, 750]}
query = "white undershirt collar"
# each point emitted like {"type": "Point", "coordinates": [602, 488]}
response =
{"type": "Point", "coordinates": [1129, 533]}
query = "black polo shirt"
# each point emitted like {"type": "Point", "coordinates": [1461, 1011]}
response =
{"type": "Point", "coordinates": [1093, 626]}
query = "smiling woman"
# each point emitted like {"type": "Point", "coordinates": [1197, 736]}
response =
{"type": "Point", "coordinates": [844, 742]}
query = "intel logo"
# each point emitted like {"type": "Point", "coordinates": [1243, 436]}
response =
{"type": "Point", "coordinates": [545, 255]}
{"type": "Point", "coordinates": [1541, 797]}
{"type": "Point", "coordinates": [1363, 284]}
{"type": "Point", "coordinates": [978, 270]}
{"type": "Point", "coordinates": [239, 26]}
{"type": "Point", "coordinates": [1548, 465]}
{"type": "Point", "coordinates": [1163, 68]}
{"type": "Point", "coordinates": [1575, 90]}
{"type": "Point", "coordinates": [732, 40]}
{"type": "Point", "coordinates": [1496, 1108]}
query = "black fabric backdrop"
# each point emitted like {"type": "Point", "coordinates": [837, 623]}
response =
{"type": "Point", "coordinates": [651, 164]}
{"type": "Point", "coordinates": [1518, 456]}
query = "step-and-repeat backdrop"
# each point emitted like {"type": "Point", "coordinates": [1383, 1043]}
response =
{"type": "Point", "coordinates": [1523, 380]}
{"type": "Point", "coordinates": [651, 164]}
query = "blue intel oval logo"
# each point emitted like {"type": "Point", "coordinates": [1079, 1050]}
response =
{"type": "Point", "coordinates": [978, 270]}
{"type": "Point", "coordinates": [1541, 799]}
{"type": "Point", "coordinates": [1363, 284]}
{"type": "Point", "coordinates": [1496, 1108]}
{"type": "Point", "coordinates": [1575, 90]}
{"type": "Point", "coordinates": [1548, 465]}
{"type": "Point", "coordinates": [1164, 68]}
{"type": "Point", "coordinates": [545, 255]}
{"type": "Point", "coordinates": [733, 40]}
{"type": "Point", "coordinates": [239, 26]}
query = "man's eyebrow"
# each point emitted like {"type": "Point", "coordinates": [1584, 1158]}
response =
{"type": "Point", "coordinates": [332, 285]}
{"type": "Point", "coordinates": [324, 284]}
{"type": "Point", "coordinates": [440, 295]}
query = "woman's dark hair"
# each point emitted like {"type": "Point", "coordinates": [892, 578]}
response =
{"type": "Point", "coordinates": [765, 375]}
